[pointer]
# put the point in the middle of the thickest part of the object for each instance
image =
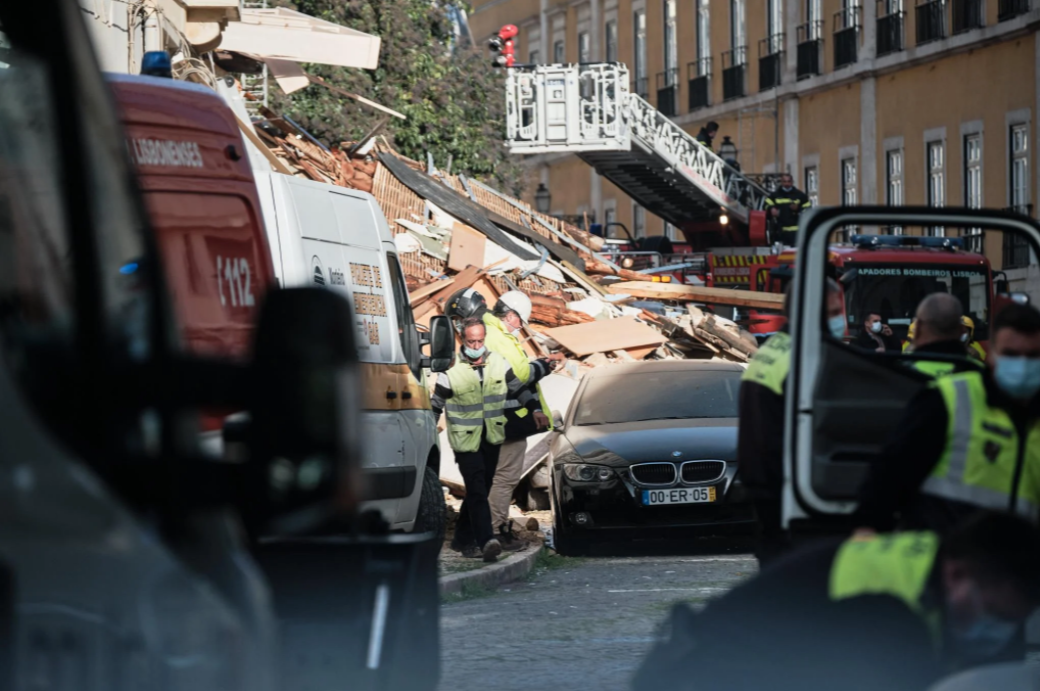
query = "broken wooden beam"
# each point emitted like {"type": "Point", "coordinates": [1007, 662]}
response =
{"type": "Point", "coordinates": [688, 293]}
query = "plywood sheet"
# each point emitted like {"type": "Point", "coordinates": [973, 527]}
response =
{"type": "Point", "coordinates": [717, 296]}
{"type": "Point", "coordinates": [467, 248]}
{"type": "Point", "coordinates": [606, 335]}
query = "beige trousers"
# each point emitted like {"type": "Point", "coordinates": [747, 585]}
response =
{"type": "Point", "coordinates": [507, 475]}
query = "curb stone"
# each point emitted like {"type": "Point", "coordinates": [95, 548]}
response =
{"type": "Point", "coordinates": [513, 568]}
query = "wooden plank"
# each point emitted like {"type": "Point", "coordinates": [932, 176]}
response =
{"type": "Point", "coordinates": [639, 353]}
{"type": "Point", "coordinates": [463, 279]}
{"type": "Point", "coordinates": [581, 278]}
{"type": "Point", "coordinates": [276, 163]}
{"type": "Point", "coordinates": [419, 293]}
{"type": "Point", "coordinates": [466, 249]}
{"type": "Point", "coordinates": [606, 335]}
{"type": "Point", "coordinates": [716, 296]}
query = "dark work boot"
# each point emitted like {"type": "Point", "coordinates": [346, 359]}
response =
{"type": "Point", "coordinates": [509, 542]}
{"type": "Point", "coordinates": [492, 548]}
{"type": "Point", "coordinates": [471, 551]}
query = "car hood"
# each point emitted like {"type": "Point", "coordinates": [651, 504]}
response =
{"type": "Point", "coordinates": [656, 440]}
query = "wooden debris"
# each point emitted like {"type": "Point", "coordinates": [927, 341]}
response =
{"type": "Point", "coordinates": [688, 293]}
{"type": "Point", "coordinates": [606, 335]}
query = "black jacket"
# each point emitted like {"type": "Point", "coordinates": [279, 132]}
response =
{"type": "Point", "coordinates": [760, 439]}
{"type": "Point", "coordinates": [518, 427]}
{"type": "Point", "coordinates": [891, 494]}
{"type": "Point", "coordinates": [780, 631]}
{"type": "Point", "coordinates": [704, 138]}
{"type": "Point", "coordinates": [784, 200]}
{"type": "Point", "coordinates": [865, 340]}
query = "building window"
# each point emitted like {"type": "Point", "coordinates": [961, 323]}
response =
{"type": "Point", "coordinates": [642, 88]}
{"type": "Point", "coordinates": [559, 53]}
{"type": "Point", "coordinates": [584, 47]}
{"type": "Point", "coordinates": [894, 183]}
{"type": "Point", "coordinates": [775, 22]}
{"type": "Point", "coordinates": [1019, 192]}
{"type": "Point", "coordinates": [814, 19]}
{"type": "Point", "coordinates": [812, 185]}
{"type": "Point", "coordinates": [671, 45]}
{"type": "Point", "coordinates": [533, 57]}
{"type": "Point", "coordinates": [703, 29]}
{"type": "Point", "coordinates": [973, 185]}
{"type": "Point", "coordinates": [609, 217]}
{"type": "Point", "coordinates": [737, 27]}
{"type": "Point", "coordinates": [671, 232]}
{"type": "Point", "coordinates": [611, 36]}
{"type": "Point", "coordinates": [638, 221]}
{"type": "Point", "coordinates": [937, 180]}
{"type": "Point", "coordinates": [848, 188]}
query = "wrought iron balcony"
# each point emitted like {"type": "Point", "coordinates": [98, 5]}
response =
{"type": "Point", "coordinates": [890, 29]}
{"type": "Point", "coordinates": [931, 21]}
{"type": "Point", "coordinates": [810, 40]}
{"type": "Point", "coordinates": [734, 70]}
{"type": "Point", "coordinates": [1009, 9]}
{"type": "Point", "coordinates": [668, 92]}
{"type": "Point", "coordinates": [968, 15]}
{"type": "Point", "coordinates": [770, 61]}
{"type": "Point", "coordinates": [698, 75]}
{"type": "Point", "coordinates": [846, 36]}
{"type": "Point", "coordinates": [1016, 248]}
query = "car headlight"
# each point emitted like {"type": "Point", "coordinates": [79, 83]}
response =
{"type": "Point", "coordinates": [583, 472]}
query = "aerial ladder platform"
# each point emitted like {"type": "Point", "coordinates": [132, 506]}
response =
{"type": "Point", "coordinates": [587, 110]}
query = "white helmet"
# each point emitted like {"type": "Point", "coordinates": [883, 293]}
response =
{"type": "Point", "coordinates": [516, 301]}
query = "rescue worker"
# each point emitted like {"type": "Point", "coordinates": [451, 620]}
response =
{"type": "Point", "coordinates": [473, 393]}
{"type": "Point", "coordinates": [707, 133]}
{"type": "Point", "coordinates": [974, 349]}
{"type": "Point", "coordinates": [968, 441]}
{"type": "Point", "coordinates": [908, 344]}
{"type": "Point", "coordinates": [785, 206]}
{"type": "Point", "coordinates": [939, 331]}
{"type": "Point", "coordinates": [760, 437]}
{"type": "Point", "coordinates": [511, 313]}
{"type": "Point", "coordinates": [894, 612]}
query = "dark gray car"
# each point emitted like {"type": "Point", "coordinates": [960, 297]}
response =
{"type": "Point", "coordinates": [648, 451]}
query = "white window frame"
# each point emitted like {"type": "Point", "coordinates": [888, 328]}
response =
{"type": "Point", "coordinates": [895, 177]}
{"type": "Point", "coordinates": [671, 39]}
{"type": "Point", "coordinates": [814, 18]}
{"type": "Point", "coordinates": [935, 156]}
{"type": "Point", "coordinates": [848, 169]}
{"type": "Point", "coordinates": [973, 158]}
{"type": "Point", "coordinates": [738, 24]}
{"type": "Point", "coordinates": [671, 232]}
{"type": "Point", "coordinates": [584, 46]}
{"type": "Point", "coordinates": [639, 43]}
{"type": "Point", "coordinates": [559, 40]}
{"type": "Point", "coordinates": [1018, 174]}
{"type": "Point", "coordinates": [812, 184]}
{"type": "Point", "coordinates": [774, 23]}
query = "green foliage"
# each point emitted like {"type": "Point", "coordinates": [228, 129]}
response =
{"type": "Point", "coordinates": [454, 99]}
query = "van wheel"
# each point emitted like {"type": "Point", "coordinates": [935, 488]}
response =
{"type": "Point", "coordinates": [432, 509]}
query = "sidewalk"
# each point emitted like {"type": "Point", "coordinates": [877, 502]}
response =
{"type": "Point", "coordinates": [460, 575]}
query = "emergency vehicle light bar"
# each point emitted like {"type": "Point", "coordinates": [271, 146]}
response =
{"type": "Point", "coordinates": [872, 241]}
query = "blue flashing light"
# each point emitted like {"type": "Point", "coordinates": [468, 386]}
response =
{"type": "Point", "coordinates": [130, 268]}
{"type": "Point", "coordinates": [876, 241]}
{"type": "Point", "coordinates": [156, 63]}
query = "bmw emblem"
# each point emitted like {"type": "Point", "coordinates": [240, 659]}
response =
{"type": "Point", "coordinates": [676, 454]}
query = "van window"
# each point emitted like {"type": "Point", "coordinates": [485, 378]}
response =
{"type": "Point", "coordinates": [405, 323]}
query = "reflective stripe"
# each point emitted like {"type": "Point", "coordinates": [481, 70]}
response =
{"type": "Point", "coordinates": [497, 398]}
{"type": "Point", "coordinates": [466, 421]}
{"type": "Point", "coordinates": [492, 414]}
{"type": "Point", "coordinates": [513, 403]}
{"type": "Point", "coordinates": [961, 440]}
{"type": "Point", "coordinates": [947, 488]}
{"type": "Point", "coordinates": [456, 408]}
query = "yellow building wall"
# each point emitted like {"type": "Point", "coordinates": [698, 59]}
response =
{"type": "Point", "coordinates": [828, 121]}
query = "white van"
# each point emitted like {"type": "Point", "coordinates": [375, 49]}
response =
{"type": "Point", "coordinates": [337, 237]}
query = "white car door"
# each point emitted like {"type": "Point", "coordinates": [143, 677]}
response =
{"type": "Point", "coordinates": [842, 401]}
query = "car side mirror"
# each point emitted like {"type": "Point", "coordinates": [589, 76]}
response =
{"type": "Point", "coordinates": [442, 344]}
{"type": "Point", "coordinates": [303, 432]}
{"type": "Point", "coordinates": [1000, 286]}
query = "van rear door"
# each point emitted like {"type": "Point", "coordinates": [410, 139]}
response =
{"type": "Point", "coordinates": [843, 402]}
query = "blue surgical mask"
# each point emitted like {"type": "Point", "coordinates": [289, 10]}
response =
{"type": "Point", "coordinates": [1018, 377]}
{"type": "Point", "coordinates": [475, 354]}
{"type": "Point", "coordinates": [837, 326]}
{"type": "Point", "coordinates": [986, 636]}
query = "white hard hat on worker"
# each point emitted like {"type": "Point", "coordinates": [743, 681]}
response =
{"type": "Point", "coordinates": [514, 309]}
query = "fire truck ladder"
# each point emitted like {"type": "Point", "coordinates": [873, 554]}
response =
{"type": "Point", "coordinates": [587, 110]}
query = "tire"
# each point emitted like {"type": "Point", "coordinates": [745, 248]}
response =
{"type": "Point", "coordinates": [537, 499]}
{"type": "Point", "coordinates": [432, 510]}
{"type": "Point", "coordinates": [563, 542]}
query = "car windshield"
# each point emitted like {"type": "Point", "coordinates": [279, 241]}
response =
{"type": "Point", "coordinates": [894, 292]}
{"type": "Point", "coordinates": [664, 395]}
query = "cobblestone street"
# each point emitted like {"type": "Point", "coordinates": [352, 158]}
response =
{"type": "Point", "coordinates": [576, 624]}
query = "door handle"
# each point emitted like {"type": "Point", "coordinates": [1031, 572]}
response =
{"type": "Point", "coordinates": [391, 395]}
{"type": "Point", "coordinates": [406, 395]}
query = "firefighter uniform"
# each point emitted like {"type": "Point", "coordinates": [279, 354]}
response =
{"type": "Point", "coordinates": [790, 204]}
{"type": "Point", "coordinates": [938, 368]}
{"type": "Point", "coordinates": [963, 445]}
{"type": "Point", "coordinates": [760, 438]}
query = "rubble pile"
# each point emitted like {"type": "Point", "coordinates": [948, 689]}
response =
{"type": "Point", "coordinates": [453, 232]}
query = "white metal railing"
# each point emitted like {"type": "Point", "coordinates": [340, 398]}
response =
{"type": "Point", "coordinates": [587, 108]}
